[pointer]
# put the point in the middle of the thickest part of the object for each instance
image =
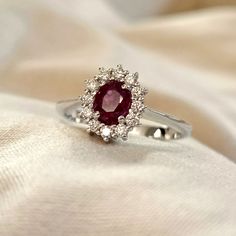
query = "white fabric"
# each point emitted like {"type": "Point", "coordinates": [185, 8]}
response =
{"type": "Point", "coordinates": [57, 180]}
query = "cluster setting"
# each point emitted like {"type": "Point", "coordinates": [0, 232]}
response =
{"type": "Point", "coordinates": [113, 103]}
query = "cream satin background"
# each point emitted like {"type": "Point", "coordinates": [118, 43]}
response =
{"type": "Point", "coordinates": [56, 180]}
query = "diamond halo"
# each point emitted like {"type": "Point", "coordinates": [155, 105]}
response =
{"type": "Point", "coordinates": [125, 124]}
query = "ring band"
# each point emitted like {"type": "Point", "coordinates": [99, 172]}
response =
{"type": "Point", "coordinates": [113, 105]}
{"type": "Point", "coordinates": [164, 127]}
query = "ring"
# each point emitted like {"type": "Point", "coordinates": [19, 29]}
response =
{"type": "Point", "coordinates": [113, 105]}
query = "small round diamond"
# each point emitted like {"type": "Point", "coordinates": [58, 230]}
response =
{"type": "Point", "coordinates": [106, 133]}
{"type": "Point", "coordinates": [121, 130]}
{"type": "Point", "coordinates": [92, 85]}
{"type": "Point", "coordinates": [93, 125]}
{"type": "Point", "coordinates": [86, 99]}
{"type": "Point", "coordinates": [132, 120]}
{"type": "Point", "coordinates": [137, 106]}
{"type": "Point", "coordinates": [86, 113]}
{"type": "Point", "coordinates": [131, 78]}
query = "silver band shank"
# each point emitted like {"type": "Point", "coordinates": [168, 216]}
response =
{"type": "Point", "coordinates": [153, 123]}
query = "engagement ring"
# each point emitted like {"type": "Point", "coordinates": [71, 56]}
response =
{"type": "Point", "coordinates": [113, 105]}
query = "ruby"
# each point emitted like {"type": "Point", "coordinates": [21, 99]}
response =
{"type": "Point", "coordinates": [112, 101]}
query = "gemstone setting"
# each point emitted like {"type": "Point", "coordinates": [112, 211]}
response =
{"type": "Point", "coordinates": [113, 103]}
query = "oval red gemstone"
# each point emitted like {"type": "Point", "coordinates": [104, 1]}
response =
{"type": "Point", "coordinates": [112, 101]}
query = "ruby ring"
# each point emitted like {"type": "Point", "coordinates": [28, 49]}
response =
{"type": "Point", "coordinates": [113, 105]}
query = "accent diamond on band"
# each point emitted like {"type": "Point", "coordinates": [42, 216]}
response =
{"type": "Point", "coordinates": [113, 105]}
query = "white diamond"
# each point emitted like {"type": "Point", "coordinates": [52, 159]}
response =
{"type": "Point", "coordinates": [137, 106]}
{"type": "Point", "coordinates": [130, 79]}
{"type": "Point", "coordinates": [105, 72]}
{"type": "Point", "coordinates": [119, 72]}
{"type": "Point", "coordinates": [92, 85]}
{"type": "Point", "coordinates": [121, 130]}
{"type": "Point", "coordinates": [137, 91]}
{"type": "Point", "coordinates": [101, 79]}
{"type": "Point", "coordinates": [132, 120]}
{"type": "Point", "coordinates": [106, 132]}
{"type": "Point", "coordinates": [86, 99]}
{"type": "Point", "coordinates": [93, 124]}
{"type": "Point", "coordinates": [87, 112]}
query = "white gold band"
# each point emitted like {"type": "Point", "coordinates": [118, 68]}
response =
{"type": "Point", "coordinates": [153, 123]}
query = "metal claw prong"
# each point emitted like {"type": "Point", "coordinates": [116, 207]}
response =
{"type": "Point", "coordinates": [96, 114]}
{"type": "Point", "coordinates": [136, 75]}
{"type": "Point", "coordinates": [106, 139]}
{"type": "Point", "coordinates": [121, 119]}
{"type": "Point", "coordinates": [119, 67]}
